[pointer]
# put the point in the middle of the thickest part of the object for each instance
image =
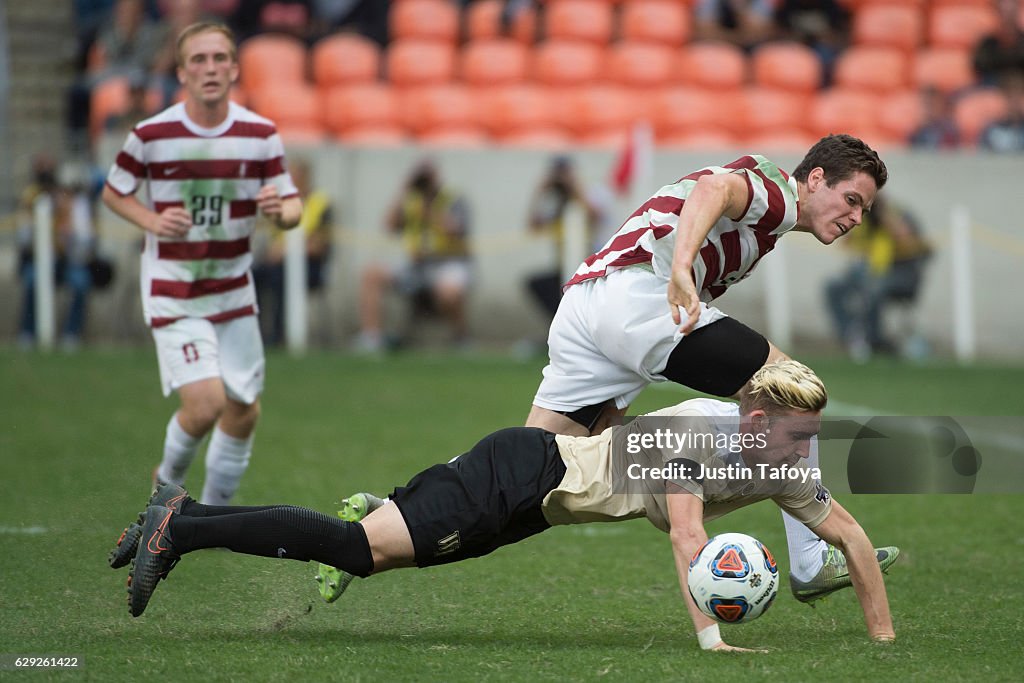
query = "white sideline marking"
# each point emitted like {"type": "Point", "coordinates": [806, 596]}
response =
{"type": "Point", "coordinates": [23, 530]}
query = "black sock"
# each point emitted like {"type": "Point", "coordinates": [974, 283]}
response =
{"type": "Point", "coordinates": [286, 531]}
{"type": "Point", "coordinates": [193, 508]}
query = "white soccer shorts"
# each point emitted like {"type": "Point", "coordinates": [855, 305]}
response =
{"type": "Point", "coordinates": [193, 349]}
{"type": "Point", "coordinates": [610, 338]}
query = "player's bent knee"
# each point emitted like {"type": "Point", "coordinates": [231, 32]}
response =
{"type": "Point", "coordinates": [719, 358]}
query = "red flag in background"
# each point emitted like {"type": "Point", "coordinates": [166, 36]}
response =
{"type": "Point", "coordinates": [633, 168]}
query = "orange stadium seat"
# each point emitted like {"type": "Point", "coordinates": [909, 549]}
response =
{"type": "Point", "coordinates": [766, 110]}
{"type": "Point", "coordinates": [437, 107]}
{"type": "Point", "coordinates": [287, 104]}
{"type": "Point", "coordinates": [960, 25]}
{"type": "Point", "coordinates": [901, 114]}
{"type": "Point", "coordinates": [706, 138]}
{"type": "Point", "coordinates": [595, 109]}
{"type": "Point", "coordinates": [944, 68]}
{"type": "Point", "coordinates": [655, 21]}
{"type": "Point", "coordinates": [786, 64]}
{"type": "Point", "coordinates": [679, 109]}
{"type": "Point", "coordinates": [417, 62]}
{"type": "Point", "coordinates": [483, 20]}
{"type": "Point", "coordinates": [781, 139]}
{"type": "Point", "coordinates": [888, 25]}
{"type": "Point", "coordinates": [977, 109]}
{"type": "Point", "coordinates": [880, 69]}
{"type": "Point", "coordinates": [506, 110]}
{"type": "Point", "coordinates": [345, 58]}
{"type": "Point", "coordinates": [361, 105]}
{"type": "Point", "coordinates": [840, 110]}
{"type": "Point", "coordinates": [713, 64]}
{"type": "Point", "coordinates": [566, 63]}
{"type": "Point", "coordinates": [109, 97]}
{"type": "Point", "coordinates": [855, 5]}
{"type": "Point", "coordinates": [493, 62]}
{"type": "Point", "coordinates": [424, 20]}
{"type": "Point", "coordinates": [578, 20]}
{"type": "Point", "coordinates": [271, 58]}
{"type": "Point", "coordinates": [641, 65]}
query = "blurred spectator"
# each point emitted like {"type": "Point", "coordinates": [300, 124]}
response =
{"type": "Point", "coordinates": [292, 17]}
{"type": "Point", "coordinates": [745, 23]}
{"type": "Point", "coordinates": [1001, 54]}
{"type": "Point", "coordinates": [557, 192]}
{"type": "Point", "coordinates": [433, 222]}
{"type": "Point", "coordinates": [1007, 134]}
{"type": "Point", "coordinates": [139, 108]}
{"type": "Point", "coordinates": [938, 129]}
{"type": "Point", "coordinates": [822, 25]}
{"type": "Point", "coordinates": [89, 16]}
{"type": "Point", "coordinates": [366, 17]}
{"type": "Point", "coordinates": [127, 45]}
{"type": "Point", "coordinates": [891, 254]}
{"type": "Point", "coordinates": [73, 243]}
{"type": "Point", "coordinates": [317, 224]}
{"type": "Point", "coordinates": [177, 16]}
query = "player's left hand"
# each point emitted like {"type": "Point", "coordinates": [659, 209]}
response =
{"type": "Point", "coordinates": [269, 202]}
{"type": "Point", "coordinates": [725, 647]}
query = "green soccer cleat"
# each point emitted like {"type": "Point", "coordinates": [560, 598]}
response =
{"type": "Point", "coordinates": [332, 582]}
{"type": "Point", "coordinates": [166, 495]}
{"type": "Point", "coordinates": [835, 575]}
{"type": "Point", "coordinates": [154, 560]}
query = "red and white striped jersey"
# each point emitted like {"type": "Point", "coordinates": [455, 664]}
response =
{"type": "Point", "coordinates": [215, 174]}
{"type": "Point", "coordinates": [731, 249]}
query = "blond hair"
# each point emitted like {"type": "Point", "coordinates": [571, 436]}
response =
{"type": "Point", "coordinates": [784, 384]}
{"type": "Point", "coordinates": [204, 27]}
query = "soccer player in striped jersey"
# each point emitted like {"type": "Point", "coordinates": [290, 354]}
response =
{"type": "Point", "coordinates": [209, 165]}
{"type": "Point", "coordinates": [639, 310]}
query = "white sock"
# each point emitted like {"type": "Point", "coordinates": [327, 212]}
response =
{"type": "Point", "coordinates": [806, 550]}
{"type": "Point", "coordinates": [226, 461]}
{"type": "Point", "coordinates": [179, 450]}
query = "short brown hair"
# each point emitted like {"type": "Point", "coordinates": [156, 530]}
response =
{"type": "Point", "coordinates": [203, 27]}
{"type": "Point", "coordinates": [786, 384]}
{"type": "Point", "coordinates": [840, 156]}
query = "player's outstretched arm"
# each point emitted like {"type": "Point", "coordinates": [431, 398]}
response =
{"type": "Point", "coordinates": [686, 515]}
{"type": "Point", "coordinates": [842, 530]}
{"type": "Point", "coordinates": [712, 197]}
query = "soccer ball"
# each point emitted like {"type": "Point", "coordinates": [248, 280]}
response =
{"type": "Point", "coordinates": [733, 578]}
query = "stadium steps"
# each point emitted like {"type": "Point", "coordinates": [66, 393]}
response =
{"type": "Point", "coordinates": [41, 69]}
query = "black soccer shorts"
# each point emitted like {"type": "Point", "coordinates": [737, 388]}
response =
{"type": "Point", "coordinates": [482, 500]}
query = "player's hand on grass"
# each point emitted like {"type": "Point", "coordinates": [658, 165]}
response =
{"type": "Point", "coordinates": [172, 222]}
{"type": "Point", "coordinates": [884, 638]}
{"type": "Point", "coordinates": [682, 293]}
{"type": "Point", "coordinates": [725, 647]}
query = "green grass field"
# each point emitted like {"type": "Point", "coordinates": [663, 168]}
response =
{"type": "Point", "coordinates": [80, 435]}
